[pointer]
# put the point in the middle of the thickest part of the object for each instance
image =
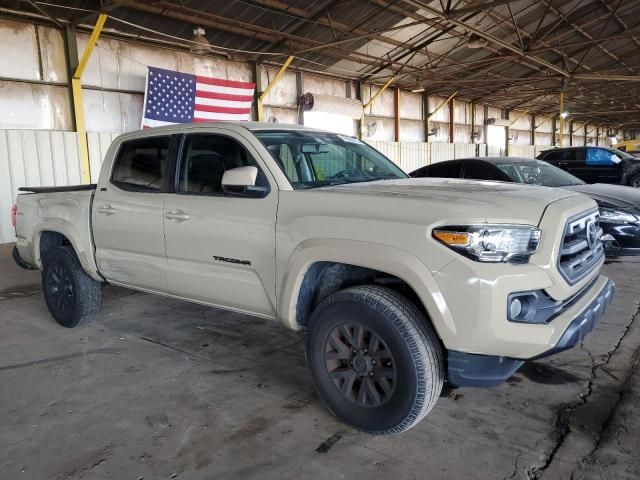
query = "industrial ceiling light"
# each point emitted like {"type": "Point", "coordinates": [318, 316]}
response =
{"type": "Point", "coordinates": [418, 90]}
{"type": "Point", "coordinates": [200, 43]}
{"type": "Point", "coordinates": [564, 114]}
{"type": "Point", "coordinates": [476, 41]}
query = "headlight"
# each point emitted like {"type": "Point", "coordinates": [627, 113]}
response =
{"type": "Point", "coordinates": [491, 243]}
{"type": "Point", "coordinates": [609, 215]}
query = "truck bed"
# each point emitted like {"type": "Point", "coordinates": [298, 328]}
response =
{"type": "Point", "coordinates": [68, 188]}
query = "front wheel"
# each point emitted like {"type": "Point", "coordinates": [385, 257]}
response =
{"type": "Point", "coordinates": [73, 297]}
{"type": "Point", "coordinates": [375, 360]}
{"type": "Point", "coordinates": [634, 181]}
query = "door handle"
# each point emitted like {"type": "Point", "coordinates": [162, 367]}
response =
{"type": "Point", "coordinates": [106, 210]}
{"type": "Point", "coordinates": [177, 216]}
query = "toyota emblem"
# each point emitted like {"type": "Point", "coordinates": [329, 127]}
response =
{"type": "Point", "coordinates": [592, 234]}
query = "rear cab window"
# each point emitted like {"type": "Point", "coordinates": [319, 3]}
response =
{"type": "Point", "coordinates": [141, 165]}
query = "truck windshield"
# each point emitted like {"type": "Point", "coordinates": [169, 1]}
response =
{"type": "Point", "coordinates": [537, 172]}
{"type": "Point", "coordinates": [317, 159]}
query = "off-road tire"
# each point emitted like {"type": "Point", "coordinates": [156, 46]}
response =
{"type": "Point", "coordinates": [410, 339]}
{"type": "Point", "coordinates": [73, 297]}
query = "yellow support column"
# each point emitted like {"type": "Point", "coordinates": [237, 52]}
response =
{"type": "Point", "coordinates": [561, 139]}
{"type": "Point", "coordinates": [78, 102]}
{"type": "Point", "coordinates": [270, 86]}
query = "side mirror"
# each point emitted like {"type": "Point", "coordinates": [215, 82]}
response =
{"type": "Point", "coordinates": [242, 181]}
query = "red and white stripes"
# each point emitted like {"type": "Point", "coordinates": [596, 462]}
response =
{"type": "Point", "coordinates": [218, 99]}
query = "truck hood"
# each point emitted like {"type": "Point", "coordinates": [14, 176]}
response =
{"type": "Point", "coordinates": [617, 196]}
{"type": "Point", "coordinates": [470, 199]}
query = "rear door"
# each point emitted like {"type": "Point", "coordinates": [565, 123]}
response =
{"type": "Point", "coordinates": [127, 214]}
{"type": "Point", "coordinates": [559, 158]}
{"type": "Point", "coordinates": [220, 246]}
{"type": "Point", "coordinates": [602, 166]}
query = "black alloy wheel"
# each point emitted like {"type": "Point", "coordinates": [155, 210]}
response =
{"type": "Point", "coordinates": [360, 365]}
{"type": "Point", "coordinates": [375, 360]}
{"type": "Point", "coordinates": [72, 296]}
{"type": "Point", "coordinates": [59, 285]}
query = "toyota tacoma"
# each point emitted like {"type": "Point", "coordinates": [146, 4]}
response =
{"type": "Point", "coordinates": [399, 284]}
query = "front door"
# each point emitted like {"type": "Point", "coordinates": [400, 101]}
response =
{"type": "Point", "coordinates": [220, 246]}
{"type": "Point", "coordinates": [127, 215]}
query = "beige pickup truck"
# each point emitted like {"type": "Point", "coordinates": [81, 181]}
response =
{"type": "Point", "coordinates": [400, 284]}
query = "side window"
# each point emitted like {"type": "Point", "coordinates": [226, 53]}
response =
{"type": "Point", "coordinates": [601, 157]}
{"type": "Point", "coordinates": [555, 155]}
{"type": "Point", "coordinates": [422, 172]}
{"type": "Point", "coordinates": [204, 160]}
{"type": "Point", "coordinates": [445, 170]}
{"type": "Point", "coordinates": [478, 170]}
{"type": "Point", "coordinates": [141, 165]}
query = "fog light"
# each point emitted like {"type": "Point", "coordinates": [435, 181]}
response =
{"type": "Point", "coordinates": [515, 308]}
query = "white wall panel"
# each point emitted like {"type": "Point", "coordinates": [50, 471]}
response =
{"type": "Point", "coordinates": [34, 158]}
{"type": "Point", "coordinates": [382, 106]}
{"type": "Point", "coordinates": [98, 145]}
{"type": "Point", "coordinates": [284, 92]}
{"type": "Point", "coordinates": [442, 115]}
{"type": "Point", "coordinates": [519, 137]}
{"type": "Point", "coordinates": [525, 151]}
{"type": "Point", "coordinates": [54, 63]}
{"type": "Point", "coordinates": [19, 58]}
{"type": "Point", "coordinates": [543, 125]}
{"type": "Point", "coordinates": [30, 105]}
{"type": "Point", "coordinates": [461, 112]}
{"type": "Point", "coordinates": [111, 111]}
{"type": "Point", "coordinates": [384, 128]}
{"type": "Point", "coordinates": [464, 150]}
{"type": "Point", "coordinates": [578, 140]}
{"type": "Point", "coordinates": [544, 139]}
{"type": "Point", "coordinates": [280, 115]}
{"type": "Point", "coordinates": [411, 131]}
{"type": "Point", "coordinates": [520, 121]}
{"type": "Point", "coordinates": [442, 151]}
{"type": "Point", "coordinates": [462, 133]}
{"type": "Point", "coordinates": [324, 86]}
{"type": "Point", "coordinates": [443, 132]}
{"type": "Point", "coordinates": [410, 105]}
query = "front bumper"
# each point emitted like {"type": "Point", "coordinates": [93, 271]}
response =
{"type": "Point", "coordinates": [472, 370]}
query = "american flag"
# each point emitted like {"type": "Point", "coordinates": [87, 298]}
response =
{"type": "Point", "coordinates": [174, 97]}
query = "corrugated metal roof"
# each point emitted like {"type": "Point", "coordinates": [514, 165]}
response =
{"type": "Point", "coordinates": [533, 47]}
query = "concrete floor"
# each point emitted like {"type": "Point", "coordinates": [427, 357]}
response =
{"type": "Point", "coordinates": [163, 389]}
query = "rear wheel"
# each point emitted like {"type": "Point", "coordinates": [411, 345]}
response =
{"type": "Point", "coordinates": [73, 297]}
{"type": "Point", "coordinates": [375, 360]}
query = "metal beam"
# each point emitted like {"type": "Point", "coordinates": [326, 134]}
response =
{"type": "Point", "coordinates": [270, 86]}
{"type": "Point", "coordinates": [477, 6]}
{"type": "Point", "coordinates": [78, 103]}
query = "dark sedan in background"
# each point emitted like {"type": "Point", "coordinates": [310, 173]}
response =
{"type": "Point", "coordinates": [596, 164]}
{"type": "Point", "coordinates": [619, 205]}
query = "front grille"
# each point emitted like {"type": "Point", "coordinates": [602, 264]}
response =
{"type": "Point", "coordinates": [581, 248]}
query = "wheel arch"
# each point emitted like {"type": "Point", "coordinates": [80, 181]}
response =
{"type": "Point", "coordinates": [60, 232]}
{"type": "Point", "coordinates": [319, 267]}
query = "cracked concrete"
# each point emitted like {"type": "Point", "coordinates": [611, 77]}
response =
{"type": "Point", "coordinates": [158, 388]}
